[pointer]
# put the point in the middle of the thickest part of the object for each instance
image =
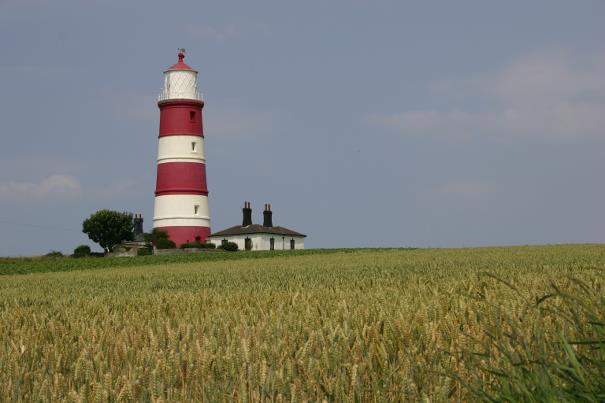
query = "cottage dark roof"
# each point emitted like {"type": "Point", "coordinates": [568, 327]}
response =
{"type": "Point", "coordinates": [256, 229]}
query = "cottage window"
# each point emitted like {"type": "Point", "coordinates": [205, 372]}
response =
{"type": "Point", "coordinates": [272, 243]}
{"type": "Point", "coordinates": [292, 243]}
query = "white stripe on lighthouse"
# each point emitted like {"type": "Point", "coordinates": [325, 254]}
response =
{"type": "Point", "coordinates": [181, 149]}
{"type": "Point", "coordinates": [181, 210]}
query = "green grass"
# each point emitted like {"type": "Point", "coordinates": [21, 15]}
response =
{"type": "Point", "coordinates": [41, 264]}
{"type": "Point", "coordinates": [487, 324]}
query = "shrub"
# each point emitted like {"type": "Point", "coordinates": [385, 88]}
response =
{"type": "Point", "coordinates": [164, 243]}
{"type": "Point", "coordinates": [144, 252]}
{"type": "Point", "coordinates": [229, 246]}
{"type": "Point", "coordinates": [82, 251]}
{"type": "Point", "coordinates": [191, 245]}
{"type": "Point", "coordinates": [198, 245]}
{"type": "Point", "coordinates": [159, 239]}
{"type": "Point", "coordinates": [154, 235]}
{"type": "Point", "coordinates": [54, 253]}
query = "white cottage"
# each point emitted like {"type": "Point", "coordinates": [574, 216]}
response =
{"type": "Point", "coordinates": [250, 236]}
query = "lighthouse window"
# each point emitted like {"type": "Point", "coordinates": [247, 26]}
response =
{"type": "Point", "coordinates": [193, 146]}
{"type": "Point", "coordinates": [191, 115]}
{"type": "Point", "coordinates": [196, 208]}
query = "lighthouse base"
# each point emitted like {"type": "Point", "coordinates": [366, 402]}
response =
{"type": "Point", "coordinates": [181, 235]}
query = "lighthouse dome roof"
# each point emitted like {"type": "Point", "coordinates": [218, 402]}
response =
{"type": "Point", "coordinates": [180, 65]}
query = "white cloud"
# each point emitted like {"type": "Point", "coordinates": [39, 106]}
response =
{"type": "Point", "coordinates": [30, 166]}
{"type": "Point", "coordinates": [545, 96]}
{"type": "Point", "coordinates": [56, 186]}
{"type": "Point", "coordinates": [117, 189]}
{"type": "Point", "coordinates": [546, 77]}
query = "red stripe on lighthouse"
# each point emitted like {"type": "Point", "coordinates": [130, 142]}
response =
{"type": "Point", "coordinates": [180, 117]}
{"type": "Point", "coordinates": [181, 235]}
{"type": "Point", "coordinates": [181, 178]}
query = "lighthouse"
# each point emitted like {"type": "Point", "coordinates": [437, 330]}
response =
{"type": "Point", "coordinates": [181, 193]}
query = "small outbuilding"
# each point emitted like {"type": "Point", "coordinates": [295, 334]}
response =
{"type": "Point", "coordinates": [250, 236]}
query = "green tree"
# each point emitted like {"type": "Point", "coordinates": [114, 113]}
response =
{"type": "Point", "coordinates": [108, 228]}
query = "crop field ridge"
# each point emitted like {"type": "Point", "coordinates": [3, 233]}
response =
{"type": "Point", "coordinates": [44, 264]}
{"type": "Point", "coordinates": [485, 324]}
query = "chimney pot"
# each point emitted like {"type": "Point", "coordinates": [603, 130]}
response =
{"type": "Point", "coordinates": [267, 216]}
{"type": "Point", "coordinates": [247, 215]}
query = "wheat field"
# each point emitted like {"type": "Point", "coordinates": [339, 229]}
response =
{"type": "Point", "coordinates": [372, 325]}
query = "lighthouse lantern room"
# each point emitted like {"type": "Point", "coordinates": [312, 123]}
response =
{"type": "Point", "coordinates": [181, 194]}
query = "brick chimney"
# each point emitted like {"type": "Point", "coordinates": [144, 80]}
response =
{"type": "Point", "coordinates": [247, 212]}
{"type": "Point", "coordinates": [267, 216]}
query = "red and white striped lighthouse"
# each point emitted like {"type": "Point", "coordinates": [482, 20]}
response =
{"type": "Point", "coordinates": [181, 194]}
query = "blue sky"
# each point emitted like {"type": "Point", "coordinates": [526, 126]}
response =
{"type": "Point", "coordinates": [364, 123]}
